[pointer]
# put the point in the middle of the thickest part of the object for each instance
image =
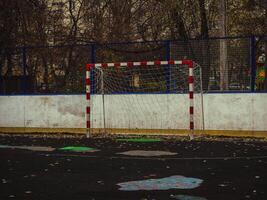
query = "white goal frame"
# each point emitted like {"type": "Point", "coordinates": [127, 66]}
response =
{"type": "Point", "coordinates": [188, 63]}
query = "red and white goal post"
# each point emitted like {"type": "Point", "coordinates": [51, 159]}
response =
{"type": "Point", "coordinates": [151, 76]}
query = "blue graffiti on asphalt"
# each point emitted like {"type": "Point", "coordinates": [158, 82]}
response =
{"type": "Point", "coordinates": [172, 182]}
{"type": "Point", "coordinates": [187, 197]}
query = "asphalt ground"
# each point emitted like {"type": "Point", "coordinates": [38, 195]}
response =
{"type": "Point", "coordinates": [231, 168]}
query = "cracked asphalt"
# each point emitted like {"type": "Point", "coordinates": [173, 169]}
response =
{"type": "Point", "coordinates": [231, 168]}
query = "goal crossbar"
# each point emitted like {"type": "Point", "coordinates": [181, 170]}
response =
{"type": "Point", "coordinates": [188, 63]}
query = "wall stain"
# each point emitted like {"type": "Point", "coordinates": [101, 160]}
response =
{"type": "Point", "coordinates": [28, 122]}
{"type": "Point", "coordinates": [46, 101]}
{"type": "Point", "coordinates": [70, 110]}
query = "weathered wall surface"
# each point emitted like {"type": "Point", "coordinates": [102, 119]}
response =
{"type": "Point", "coordinates": [236, 112]}
{"type": "Point", "coordinates": [42, 111]}
{"type": "Point", "coordinates": [221, 111]}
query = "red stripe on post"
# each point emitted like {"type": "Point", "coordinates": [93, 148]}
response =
{"type": "Point", "coordinates": [188, 62]}
{"type": "Point", "coordinates": [88, 125]}
{"type": "Point", "coordinates": [191, 79]}
{"type": "Point", "coordinates": [117, 64]}
{"type": "Point", "coordinates": [191, 125]}
{"type": "Point", "coordinates": [191, 95]}
{"type": "Point", "coordinates": [104, 65]}
{"type": "Point", "coordinates": [87, 110]}
{"type": "Point", "coordinates": [88, 96]}
{"type": "Point", "coordinates": [144, 63]}
{"type": "Point", "coordinates": [157, 62]}
{"type": "Point", "coordinates": [171, 62]}
{"type": "Point", "coordinates": [87, 81]}
{"type": "Point", "coordinates": [191, 110]}
{"type": "Point", "coordinates": [129, 64]}
{"type": "Point", "coordinates": [89, 66]}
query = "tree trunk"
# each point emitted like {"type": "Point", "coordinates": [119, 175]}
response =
{"type": "Point", "coordinates": [1, 61]}
{"type": "Point", "coordinates": [223, 47]}
{"type": "Point", "coordinates": [265, 63]}
{"type": "Point", "coordinates": [46, 74]}
{"type": "Point", "coordinates": [205, 46]}
{"type": "Point", "coordinates": [9, 63]}
{"type": "Point", "coordinates": [265, 46]}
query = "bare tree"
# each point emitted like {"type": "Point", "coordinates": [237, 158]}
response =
{"type": "Point", "coordinates": [265, 45]}
{"type": "Point", "coordinates": [205, 45]}
{"type": "Point", "coordinates": [223, 47]}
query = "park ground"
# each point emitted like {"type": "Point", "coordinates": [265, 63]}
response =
{"type": "Point", "coordinates": [35, 167]}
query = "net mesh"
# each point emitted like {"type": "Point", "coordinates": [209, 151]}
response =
{"type": "Point", "coordinates": [144, 97]}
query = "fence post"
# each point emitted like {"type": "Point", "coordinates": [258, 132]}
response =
{"type": "Point", "coordinates": [168, 57]}
{"type": "Point", "coordinates": [253, 66]}
{"type": "Point", "coordinates": [24, 62]}
{"type": "Point", "coordinates": [92, 72]}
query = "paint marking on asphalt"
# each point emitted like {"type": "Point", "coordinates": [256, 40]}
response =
{"type": "Point", "coordinates": [166, 183]}
{"type": "Point", "coordinates": [153, 158]}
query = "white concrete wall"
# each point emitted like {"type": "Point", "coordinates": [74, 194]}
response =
{"type": "Point", "coordinates": [236, 111]}
{"type": "Point", "coordinates": [42, 111]}
{"type": "Point", "coordinates": [221, 111]}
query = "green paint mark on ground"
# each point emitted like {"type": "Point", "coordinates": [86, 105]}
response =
{"type": "Point", "coordinates": [78, 149]}
{"type": "Point", "coordinates": [139, 140]}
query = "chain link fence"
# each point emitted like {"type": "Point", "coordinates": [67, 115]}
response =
{"type": "Point", "coordinates": [228, 64]}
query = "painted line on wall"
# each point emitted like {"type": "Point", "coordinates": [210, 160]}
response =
{"type": "Point", "coordinates": [82, 131]}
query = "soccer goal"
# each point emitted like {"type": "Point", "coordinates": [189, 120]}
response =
{"type": "Point", "coordinates": [153, 96]}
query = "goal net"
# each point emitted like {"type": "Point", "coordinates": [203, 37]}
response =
{"type": "Point", "coordinates": [148, 96]}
